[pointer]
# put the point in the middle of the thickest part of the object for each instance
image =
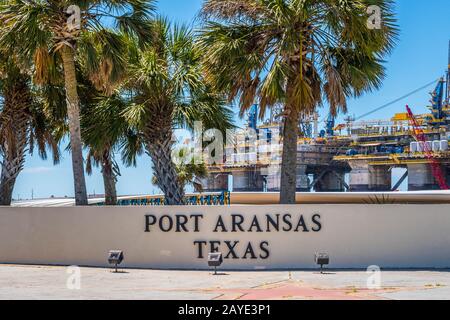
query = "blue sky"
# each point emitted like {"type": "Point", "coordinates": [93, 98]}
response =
{"type": "Point", "coordinates": [420, 57]}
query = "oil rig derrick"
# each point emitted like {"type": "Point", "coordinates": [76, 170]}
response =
{"type": "Point", "coordinates": [357, 155]}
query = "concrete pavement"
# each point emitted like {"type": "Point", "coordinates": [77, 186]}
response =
{"type": "Point", "coordinates": [55, 283]}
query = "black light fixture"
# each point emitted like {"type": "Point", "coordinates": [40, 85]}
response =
{"type": "Point", "coordinates": [215, 259]}
{"type": "Point", "coordinates": [322, 259]}
{"type": "Point", "coordinates": [115, 257]}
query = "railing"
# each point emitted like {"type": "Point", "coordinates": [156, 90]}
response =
{"type": "Point", "coordinates": [208, 199]}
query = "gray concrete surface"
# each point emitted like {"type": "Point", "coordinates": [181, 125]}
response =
{"type": "Point", "coordinates": [50, 283]}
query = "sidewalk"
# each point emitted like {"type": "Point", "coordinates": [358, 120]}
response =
{"type": "Point", "coordinates": [34, 282]}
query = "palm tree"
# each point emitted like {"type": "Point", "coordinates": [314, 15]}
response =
{"type": "Point", "coordinates": [23, 124]}
{"type": "Point", "coordinates": [52, 33]}
{"type": "Point", "coordinates": [166, 90]}
{"type": "Point", "coordinates": [104, 129]}
{"type": "Point", "coordinates": [296, 53]}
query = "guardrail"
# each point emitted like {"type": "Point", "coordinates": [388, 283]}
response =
{"type": "Point", "coordinates": [208, 199]}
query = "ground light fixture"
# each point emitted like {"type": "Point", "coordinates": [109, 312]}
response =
{"type": "Point", "coordinates": [322, 259]}
{"type": "Point", "coordinates": [215, 259]}
{"type": "Point", "coordinates": [115, 257]}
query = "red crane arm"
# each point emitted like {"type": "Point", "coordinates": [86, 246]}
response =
{"type": "Point", "coordinates": [419, 135]}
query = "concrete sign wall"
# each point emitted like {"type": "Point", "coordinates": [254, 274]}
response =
{"type": "Point", "coordinates": [250, 237]}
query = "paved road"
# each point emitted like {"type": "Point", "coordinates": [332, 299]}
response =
{"type": "Point", "coordinates": [51, 283]}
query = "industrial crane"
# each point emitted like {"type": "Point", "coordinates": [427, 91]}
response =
{"type": "Point", "coordinates": [419, 135]}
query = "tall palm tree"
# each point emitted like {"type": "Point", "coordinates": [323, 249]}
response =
{"type": "Point", "coordinates": [104, 130]}
{"type": "Point", "coordinates": [23, 124]}
{"type": "Point", "coordinates": [296, 53]}
{"type": "Point", "coordinates": [166, 89]}
{"type": "Point", "coordinates": [55, 36]}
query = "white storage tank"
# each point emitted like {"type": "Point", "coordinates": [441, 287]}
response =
{"type": "Point", "coordinates": [429, 146]}
{"type": "Point", "coordinates": [444, 145]}
{"type": "Point", "coordinates": [414, 147]}
{"type": "Point", "coordinates": [420, 147]}
{"type": "Point", "coordinates": [436, 146]}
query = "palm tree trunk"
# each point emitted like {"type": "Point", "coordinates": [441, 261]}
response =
{"type": "Point", "coordinates": [15, 121]}
{"type": "Point", "coordinates": [109, 180]}
{"type": "Point", "coordinates": [73, 111]}
{"type": "Point", "coordinates": [289, 162]}
{"type": "Point", "coordinates": [6, 188]}
{"type": "Point", "coordinates": [12, 165]}
{"type": "Point", "coordinates": [159, 148]}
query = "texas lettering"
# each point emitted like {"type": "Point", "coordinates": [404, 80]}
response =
{"type": "Point", "coordinates": [234, 224]}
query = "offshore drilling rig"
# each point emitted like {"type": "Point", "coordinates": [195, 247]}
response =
{"type": "Point", "coordinates": [355, 156]}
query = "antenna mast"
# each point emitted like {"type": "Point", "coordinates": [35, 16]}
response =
{"type": "Point", "coordinates": [447, 95]}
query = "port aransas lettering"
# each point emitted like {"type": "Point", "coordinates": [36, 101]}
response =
{"type": "Point", "coordinates": [234, 224]}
